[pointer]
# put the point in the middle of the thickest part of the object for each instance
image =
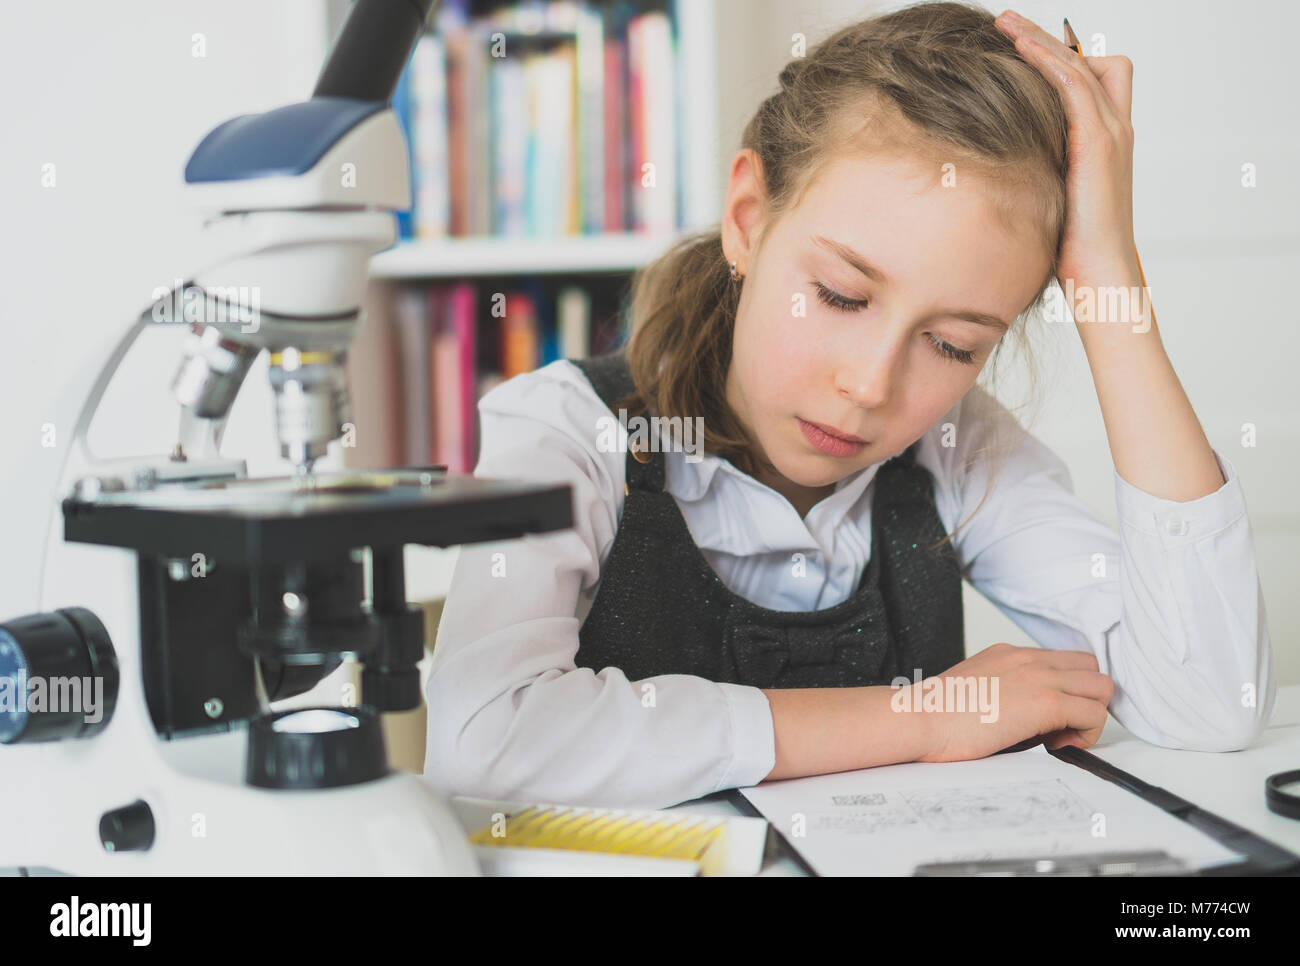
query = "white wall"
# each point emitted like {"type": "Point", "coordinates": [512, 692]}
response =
{"type": "Point", "coordinates": [112, 95]}
{"type": "Point", "coordinates": [1214, 87]}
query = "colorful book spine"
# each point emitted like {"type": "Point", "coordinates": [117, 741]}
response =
{"type": "Point", "coordinates": [651, 52]}
{"type": "Point", "coordinates": [428, 87]}
{"type": "Point", "coordinates": [589, 109]}
{"type": "Point", "coordinates": [462, 309]}
{"type": "Point", "coordinates": [401, 105]}
{"type": "Point", "coordinates": [636, 144]}
{"type": "Point", "coordinates": [512, 129]}
{"type": "Point", "coordinates": [617, 171]}
{"type": "Point", "coordinates": [375, 396]}
{"type": "Point", "coordinates": [573, 323]}
{"type": "Point", "coordinates": [413, 335]}
{"type": "Point", "coordinates": [519, 336]}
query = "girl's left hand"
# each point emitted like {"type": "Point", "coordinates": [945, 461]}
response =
{"type": "Point", "coordinates": [1097, 93]}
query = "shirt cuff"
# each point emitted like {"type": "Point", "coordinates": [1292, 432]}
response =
{"type": "Point", "coordinates": [753, 736]}
{"type": "Point", "coordinates": [1176, 523]}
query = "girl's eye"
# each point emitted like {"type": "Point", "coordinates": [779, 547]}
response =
{"type": "Point", "coordinates": [842, 304]}
{"type": "Point", "coordinates": [837, 301]}
{"type": "Point", "coordinates": [951, 351]}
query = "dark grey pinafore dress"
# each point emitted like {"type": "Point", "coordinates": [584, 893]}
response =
{"type": "Point", "coordinates": [660, 608]}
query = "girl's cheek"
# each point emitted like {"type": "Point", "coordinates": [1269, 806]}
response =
{"type": "Point", "coordinates": [791, 358]}
{"type": "Point", "coordinates": [793, 331]}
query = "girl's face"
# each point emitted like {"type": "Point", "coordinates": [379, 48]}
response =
{"type": "Point", "coordinates": [868, 309]}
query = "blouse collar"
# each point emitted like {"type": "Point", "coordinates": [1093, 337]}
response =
{"type": "Point", "coordinates": [731, 526]}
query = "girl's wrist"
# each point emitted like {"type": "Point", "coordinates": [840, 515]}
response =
{"type": "Point", "coordinates": [926, 731]}
{"type": "Point", "coordinates": [1109, 298]}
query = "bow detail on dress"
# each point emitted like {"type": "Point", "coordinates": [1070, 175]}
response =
{"type": "Point", "coordinates": [852, 653]}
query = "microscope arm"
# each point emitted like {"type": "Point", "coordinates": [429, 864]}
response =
{"type": "Point", "coordinates": [372, 49]}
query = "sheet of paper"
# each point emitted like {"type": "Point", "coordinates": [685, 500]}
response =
{"type": "Point", "coordinates": [888, 820]}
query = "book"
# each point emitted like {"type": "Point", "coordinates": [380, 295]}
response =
{"type": "Point", "coordinates": [519, 336]}
{"type": "Point", "coordinates": [453, 395]}
{"type": "Point", "coordinates": [428, 113]}
{"type": "Point", "coordinates": [573, 323]}
{"type": "Point", "coordinates": [617, 173]}
{"type": "Point", "coordinates": [591, 118]}
{"type": "Point", "coordinates": [412, 319]}
{"type": "Point", "coordinates": [401, 105]}
{"type": "Point", "coordinates": [375, 394]}
{"type": "Point", "coordinates": [513, 144]}
{"type": "Point", "coordinates": [652, 58]}
{"type": "Point", "coordinates": [552, 170]}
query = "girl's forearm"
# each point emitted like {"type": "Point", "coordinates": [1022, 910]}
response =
{"type": "Point", "coordinates": [1156, 441]}
{"type": "Point", "coordinates": [823, 730]}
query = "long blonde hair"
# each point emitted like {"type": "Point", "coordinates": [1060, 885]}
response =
{"type": "Point", "coordinates": [938, 80]}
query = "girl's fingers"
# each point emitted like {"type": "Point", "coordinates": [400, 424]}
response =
{"type": "Point", "coordinates": [1085, 100]}
{"type": "Point", "coordinates": [1018, 26]}
{"type": "Point", "coordinates": [1084, 716]}
{"type": "Point", "coordinates": [1115, 74]}
{"type": "Point", "coordinates": [1022, 745]}
{"type": "Point", "coordinates": [1068, 660]}
{"type": "Point", "coordinates": [1059, 739]}
{"type": "Point", "coordinates": [1065, 738]}
{"type": "Point", "coordinates": [1086, 684]}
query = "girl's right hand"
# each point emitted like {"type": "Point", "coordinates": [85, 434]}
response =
{"type": "Point", "coordinates": [1042, 694]}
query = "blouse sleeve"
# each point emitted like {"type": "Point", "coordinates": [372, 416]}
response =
{"type": "Point", "coordinates": [509, 714]}
{"type": "Point", "coordinates": [1171, 605]}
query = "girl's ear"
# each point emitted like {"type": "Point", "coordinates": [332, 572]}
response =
{"type": "Point", "coordinates": [744, 209]}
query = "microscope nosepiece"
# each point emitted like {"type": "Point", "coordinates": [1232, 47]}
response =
{"type": "Point", "coordinates": [311, 401]}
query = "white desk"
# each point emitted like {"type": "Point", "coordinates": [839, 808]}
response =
{"type": "Point", "coordinates": [1230, 785]}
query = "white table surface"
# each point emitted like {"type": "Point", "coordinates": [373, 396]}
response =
{"type": "Point", "coordinates": [1231, 785]}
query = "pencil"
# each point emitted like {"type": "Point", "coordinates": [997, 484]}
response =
{"type": "Point", "coordinates": [1072, 42]}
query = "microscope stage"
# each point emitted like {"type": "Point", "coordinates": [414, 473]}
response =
{"type": "Point", "coordinates": [288, 519]}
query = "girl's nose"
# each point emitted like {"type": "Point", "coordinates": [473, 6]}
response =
{"type": "Point", "coordinates": [868, 380]}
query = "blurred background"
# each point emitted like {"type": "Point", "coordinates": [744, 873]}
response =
{"type": "Point", "coordinates": [525, 194]}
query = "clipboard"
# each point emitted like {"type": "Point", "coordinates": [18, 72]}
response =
{"type": "Point", "coordinates": [1263, 858]}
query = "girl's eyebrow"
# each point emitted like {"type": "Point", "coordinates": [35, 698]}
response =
{"type": "Point", "coordinates": [978, 317]}
{"type": "Point", "coordinates": [852, 257]}
{"type": "Point", "coordinates": [880, 278]}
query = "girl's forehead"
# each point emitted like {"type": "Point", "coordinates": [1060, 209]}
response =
{"type": "Point", "coordinates": [926, 228]}
{"type": "Point", "coordinates": [897, 176]}
{"type": "Point", "coordinates": [891, 198]}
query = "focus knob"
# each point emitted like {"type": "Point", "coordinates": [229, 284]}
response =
{"type": "Point", "coordinates": [127, 829]}
{"type": "Point", "coordinates": [58, 676]}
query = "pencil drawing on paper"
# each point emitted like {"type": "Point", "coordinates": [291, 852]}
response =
{"type": "Point", "coordinates": [1026, 805]}
{"type": "Point", "coordinates": [876, 813]}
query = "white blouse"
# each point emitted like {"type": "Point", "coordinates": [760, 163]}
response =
{"type": "Point", "coordinates": [1171, 606]}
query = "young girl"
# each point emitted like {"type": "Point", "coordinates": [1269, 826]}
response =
{"type": "Point", "coordinates": [780, 604]}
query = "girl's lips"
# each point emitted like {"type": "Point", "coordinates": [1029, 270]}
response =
{"type": "Point", "coordinates": [824, 441]}
{"type": "Point", "coordinates": [832, 431]}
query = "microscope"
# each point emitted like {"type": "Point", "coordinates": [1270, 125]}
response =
{"type": "Point", "coordinates": [183, 599]}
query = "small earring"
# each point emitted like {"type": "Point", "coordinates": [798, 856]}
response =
{"type": "Point", "coordinates": [735, 276]}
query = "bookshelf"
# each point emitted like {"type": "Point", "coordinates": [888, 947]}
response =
{"type": "Point", "coordinates": [480, 255]}
{"type": "Point", "coordinates": [502, 235]}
